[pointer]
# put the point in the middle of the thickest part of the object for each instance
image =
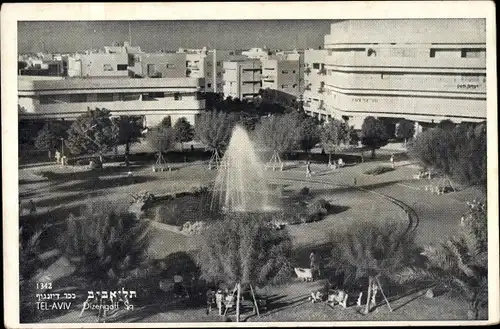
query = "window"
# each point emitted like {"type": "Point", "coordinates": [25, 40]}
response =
{"type": "Point", "coordinates": [151, 69]}
{"type": "Point", "coordinates": [107, 67]}
{"type": "Point", "coordinates": [284, 86]}
{"type": "Point", "coordinates": [218, 63]}
{"type": "Point", "coordinates": [473, 53]}
{"type": "Point", "coordinates": [78, 98]}
{"type": "Point", "coordinates": [177, 96]}
{"type": "Point", "coordinates": [269, 68]}
{"type": "Point", "coordinates": [293, 71]}
{"type": "Point", "coordinates": [284, 72]}
{"type": "Point", "coordinates": [316, 66]}
{"type": "Point", "coordinates": [122, 67]}
{"type": "Point", "coordinates": [170, 66]}
{"type": "Point", "coordinates": [209, 85]}
{"type": "Point", "coordinates": [294, 85]}
{"type": "Point", "coordinates": [157, 95]}
{"type": "Point", "coordinates": [219, 74]}
{"type": "Point", "coordinates": [105, 97]}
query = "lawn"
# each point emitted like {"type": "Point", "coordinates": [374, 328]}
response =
{"type": "Point", "coordinates": [63, 189]}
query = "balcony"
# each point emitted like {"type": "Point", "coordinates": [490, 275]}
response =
{"type": "Point", "coordinates": [133, 107]}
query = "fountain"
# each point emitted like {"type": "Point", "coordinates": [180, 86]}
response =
{"type": "Point", "coordinates": [240, 184]}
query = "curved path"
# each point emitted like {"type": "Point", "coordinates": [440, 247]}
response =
{"type": "Point", "coordinates": [413, 219]}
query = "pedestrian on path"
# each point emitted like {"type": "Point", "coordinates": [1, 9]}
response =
{"type": "Point", "coordinates": [308, 169]}
{"type": "Point", "coordinates": [392, 160]}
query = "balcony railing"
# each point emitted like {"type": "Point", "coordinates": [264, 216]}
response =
{"type": "Point", "coordinates": [322, 72]}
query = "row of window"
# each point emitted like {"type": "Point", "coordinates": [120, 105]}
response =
{"type": "Point", "coordinates": [119, 67]}
{"type": "Point", "coordinates": [112, 97]}
{"type": "Point", "coordinates": [413, 52]}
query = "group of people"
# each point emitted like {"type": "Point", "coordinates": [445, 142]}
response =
{"type": "Point", "coordinates": [219, 298]}
{"type": "Point", "coordinates": [60, 159]}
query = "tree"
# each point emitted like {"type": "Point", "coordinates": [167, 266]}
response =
{"type": "Point", "coordinates": [309, 133]}
{"type": "Point", "coordinates": [214, 130]}
{"type": "Point", "coordinates": [166, 121]}
{"type": "Point", "coordinates": [129, 132]}
{"type": "Point", "coordinates": [405, 129]}
{"type": "Point", "coordinates": [461, 263]}
{"type": "Point", "coordinates": [368, 251]}
{"type": "Point", "coordinates": [161, 139]}
{"type": "Point", "coordinates": [446, 124]}
{"type": "Point", "coordinates": [458, 152]}
{"type": "Point", "coordinates": [93, 132]}
{"type": "Point", "coordinates": [335, 135]}
{"type": "Point", "coordinates": [279, 133]}
{"type": "Point", "coordinates": [242, 249]}
{"type": "Point", "coordinates": [107, 247]}
{"type": "Point", "coordinates": [50, 136]}
{"type": "Point", "coordinates": [373, 134]}
{"type": "Point", "coordinates": [183, 130]}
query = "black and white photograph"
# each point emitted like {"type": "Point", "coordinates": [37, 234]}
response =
{"type": "Point", "coordinates": [222, 164]}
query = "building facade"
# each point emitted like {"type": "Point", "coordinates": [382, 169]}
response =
{"type": "Point", "coordinates": [242, 78]}
{"type": "Point", "coordinates": [430, 70]}
{"type": "Point", "coordinates": [314, 83]}
{"type": "Point", "coordinates": [283, 74]}
{"type": "Point", "coordinates": [154, 99]}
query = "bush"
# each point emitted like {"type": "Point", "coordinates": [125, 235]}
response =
{"type": "Point", "coordinates": [305, 191]}
{"type": "Point", "coordinates": [378, 170]}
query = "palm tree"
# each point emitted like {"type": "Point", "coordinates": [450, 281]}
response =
{"type": "Point", "coordinates": [369, 251]}
{"type": "Point", "coordinates": [107, 247]}
{"type": "Point", "coordinates": [242, 251]}
{"type": "Point", "coordinates": [461, 263]}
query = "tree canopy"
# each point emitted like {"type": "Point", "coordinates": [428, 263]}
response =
{"type": "Point", "coordinates": [161, 138]}
{"type": "Point", "coordinates": [183, 130]}
{"type": "Point", "coordinates": [459, 152]}
{"type": "Point", "coordinates": [241, 248]}
{"type": "Point", "coordinates": [335, 135]}
{"type": "Point", "coordinates": [129, 130]}
{"type": "Point", "coordinates": [214, 129]}
{"type": "Point", "coordinates": [280, 133]}
{"type": "Point", "coordinates": [309, 134]}
{"type": "Point", "coordinates": [92, 132]}
{"type": "Point", "coordinates": [50, 136]}
{"type": "Point", "coordinates": [405, 129]}
{"type": "Point", "coordinates": [373, 134]}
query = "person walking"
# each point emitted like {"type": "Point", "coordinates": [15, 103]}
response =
{"type": "Point", "coordinates": [58, 157]}
{"type": "Point", "coordinates": [308, 169]}
{"type": "Point", "coordinates": [314, 265]}
{"type": "Point", "coordinates": [392, 160]}
{"type": "Point", "coordinates": [219, 296]}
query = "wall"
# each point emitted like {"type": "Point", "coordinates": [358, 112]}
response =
{"type": "Point", "coordinates": [104, 65]}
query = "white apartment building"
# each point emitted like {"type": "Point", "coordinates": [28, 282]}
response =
{"type": "Point", "coordinates": [430, 70]}
{"type": "Point", "coordinates": [242, 78]}
{"type": "Point", "coordinates": [153, 99]}
{"type": "Point", "coordinates": [314, 83]}
{"type": "Point", "coordinates": [282, 74]}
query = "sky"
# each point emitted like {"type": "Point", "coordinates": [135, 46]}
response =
{"type": "Point", "coordinates": [72, 36]}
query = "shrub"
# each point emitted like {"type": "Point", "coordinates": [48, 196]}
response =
{"type": "Point", "coordinates": [378, 170]}
{"type": "Point", "coordinates": [305, 191]}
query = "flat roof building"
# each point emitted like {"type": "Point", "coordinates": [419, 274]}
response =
{"type": "Point", "coordinates": [242, 78]}
{"type": "Point", "coordinates": [154, 99]}
{"type": "Point", "coordinates": [283, 74]}
{"type": "Point", "coordinates": [430, 70]}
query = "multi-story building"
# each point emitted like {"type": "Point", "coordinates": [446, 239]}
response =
{"type": "Point", "coordinates": [157, 65]}
{"type": "Point", "coordinates": [242, 78]}
{"type": "Point", "coordinates": [283, 74]}
{"type": "Point", "coordinates": [154, 99]}
{"type": "Point", "coordinates": [430, 70]}
{"type": "Point", "coordinates": [314, 83]}
{"type": "Point", "coordinates": [200, 64]}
